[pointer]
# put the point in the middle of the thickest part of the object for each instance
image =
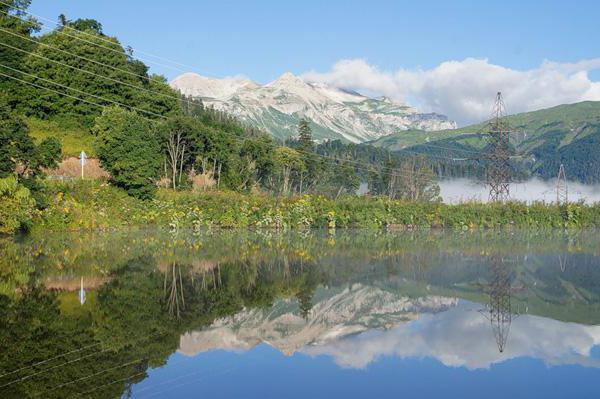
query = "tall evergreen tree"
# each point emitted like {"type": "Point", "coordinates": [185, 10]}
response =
{"type": "Point", "coordinates": [305, 136]}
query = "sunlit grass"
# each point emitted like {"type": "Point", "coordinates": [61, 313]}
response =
{"type": "Point", "coordinates": [74, 139]}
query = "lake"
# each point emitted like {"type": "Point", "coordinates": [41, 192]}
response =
{"type": "Point", "coordinates": [316, 314]}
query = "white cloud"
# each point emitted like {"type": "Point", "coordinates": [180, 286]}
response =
{"type": "Point", "coordinates": [462, 337]}
{"type": "Point", "coordinates": [464, 90]}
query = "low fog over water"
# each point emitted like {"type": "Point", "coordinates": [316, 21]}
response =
{"type": "Point", "coordinates": [462, 190]}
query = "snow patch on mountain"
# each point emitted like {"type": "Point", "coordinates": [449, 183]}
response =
{"type": "Point", "coordinates": [335, 113]}
{"type": "Point", "coordinates": [340, 313]}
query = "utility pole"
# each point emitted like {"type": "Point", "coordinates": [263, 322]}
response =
{"type": "Point", "coordinates": [498, 157]}
{"type": "Point", "coordinates": [562, 190]}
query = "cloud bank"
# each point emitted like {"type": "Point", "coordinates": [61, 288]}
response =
{"type": "Point", "coordinates": [464, 90]}
{"type": "Point", "coordinates": [455, 191]}
{"type": "Point", "coordinates": [463, 338]}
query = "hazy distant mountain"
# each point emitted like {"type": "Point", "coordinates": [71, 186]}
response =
{"type": "Point", "coordinates": [336, 113]}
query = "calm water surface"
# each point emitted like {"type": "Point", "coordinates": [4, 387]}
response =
{"type": "Point", "coordinates": [353, 314]}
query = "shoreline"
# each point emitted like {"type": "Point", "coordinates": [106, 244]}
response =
{"type": "Point", "coordinates": [89, 206]}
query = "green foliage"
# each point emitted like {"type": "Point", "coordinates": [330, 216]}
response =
{"type": "Point", "coordinates": [257, 162]}
{"type": "Point", "coordinates": [73, 137]}
{"type": "Point", "coordinates": [305, 136]}
{"type": "Point", "coordinates": [76, 56]}
{"type": "Point", "coordinates": [18, 153]}
{"type": "Point", "coordinates": [19, 31]}
{"type": "Point", "coordinates": [129, 149]}
{"type": "Point", "coordinates": [85, 24]}
{"type": "Point", "coordinates": [47, 153]}
{"type": "Point", "coordinates": [412, 179]}
{"type": "Point", "coordinates": [85, 205]}
{"type": "Point", "coordinates": [16, 146]}
{"type": "Point", "coordinates": [16, 206]}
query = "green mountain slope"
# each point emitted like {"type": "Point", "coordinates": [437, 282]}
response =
{"type": "Point", "coordinates": [568, 134]}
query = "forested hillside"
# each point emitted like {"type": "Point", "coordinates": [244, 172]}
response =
{"type": "Point", "coordinates": [542, 140]}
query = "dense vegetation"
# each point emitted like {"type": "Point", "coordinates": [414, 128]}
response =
{"type": "Point", "coordinates": [88, 205]}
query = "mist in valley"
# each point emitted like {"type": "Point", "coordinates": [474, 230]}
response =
{"type": "Point", "coordinates": [463, 190]}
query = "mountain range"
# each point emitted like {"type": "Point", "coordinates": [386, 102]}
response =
{"type": "Point", "coordinates": [335, 113]}
{"type": "Point", "coordinates": [541, 140]}
{"type": "Point", "coordinates": [336, 314]}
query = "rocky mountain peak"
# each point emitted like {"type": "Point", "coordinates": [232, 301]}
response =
{"type": "Point", "coordinates": [335, 113]}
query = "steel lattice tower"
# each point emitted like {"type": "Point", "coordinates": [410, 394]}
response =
{"type": "Point", "coordinates": [498, 157]}
{"type": "Point", "coordinates": [562, 192]}
{"type": "Point", "coordinates": [499, 310]}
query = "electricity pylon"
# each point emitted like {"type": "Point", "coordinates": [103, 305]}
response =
{"type": "Point", "coordinates": [498, 157]}
{"type": "Point", "coordinates": [499, 309]}
{"type": "Point", "coordinates": [562, 190]}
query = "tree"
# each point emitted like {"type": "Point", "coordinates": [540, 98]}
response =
{"type": "Point", "coordinates": [15, 143]}
{"type": "Point", "coordinates": [17, 207]}
{"type": "Point", "coordinates": [257, 161]}
{"type": "Point", "coordinates": [96, 69]}
{"type": "Point", "coordinates": [20, 27]}
{"type": "Point", "coordinates": [311, 171]}
{"type": "Point", "coordinates": [18, 153]}
{"type": "Point", "coordinates": [345, 179]}
{"type": "Point", "coordinates": [62, 20]}
{"type": "Point", "coordinates": [47, 153]}
{"type": "Point", "coordinates": [176, 135]}
{"type": "Point", "coordinates": [288, 161]}
{"type": "Point", "coordinates": [413, 180]}
{"type": "Point", "coordinates": [129, 150]}
{"type": "Point", "coordinates": [305, 139]}
{"type": "Point", "coordinates": [86, 24]}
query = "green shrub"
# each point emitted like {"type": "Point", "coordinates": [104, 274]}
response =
{"type": "Point", "coordinates": [17, 207]}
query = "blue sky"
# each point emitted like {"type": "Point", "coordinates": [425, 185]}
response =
{"type": "Point", "coordinates": [263, 39]}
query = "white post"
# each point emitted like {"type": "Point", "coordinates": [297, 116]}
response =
{"type": "Point", "coordinates": [82, 158]}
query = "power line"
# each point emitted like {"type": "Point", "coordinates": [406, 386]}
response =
{"type": "Point", "coordinates": [24, 11]}
{"type": "Point", "coordinates": [89, 72]}
{"type": "Point", "coordinates": [49, 360]}
{"type": "Point", "coordinates": [55, 91]}
{"type": "Point", "coordinates": [395, 173]}
{"type": "Point", "coordinates": [145, 77]}
{"type": "Point", "coordinates": [156, 92]}
{"type": "Point", "coordinates": [38, 42]}
{"type": "Point", "coordinates": [83, 92]}
{"type": "Point", "coordinates": [90, 376]}
{"type": "Point", "coordinates": [367, 168]}
{"type": "Point", "coordinates": [24, 378]}
{"type": "Point", "coordinates": [159, 93]}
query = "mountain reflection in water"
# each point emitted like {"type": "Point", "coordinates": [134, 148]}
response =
{"type": "Point", "coordinates": [141, 313]}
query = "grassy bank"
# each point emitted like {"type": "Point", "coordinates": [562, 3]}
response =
{"type": "Point", "coordinates": [90, 205]}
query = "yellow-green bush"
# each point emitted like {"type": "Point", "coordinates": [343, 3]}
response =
{"type": "Point", "coordinates": [17, 207]}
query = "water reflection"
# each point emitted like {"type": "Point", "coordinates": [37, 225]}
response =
{"type": "Point", "coordinates": [499, 308]}
{"type": "Point", "coordinates": [460, 337]}
{"type": "Point", "coordinates": [95, 314]}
